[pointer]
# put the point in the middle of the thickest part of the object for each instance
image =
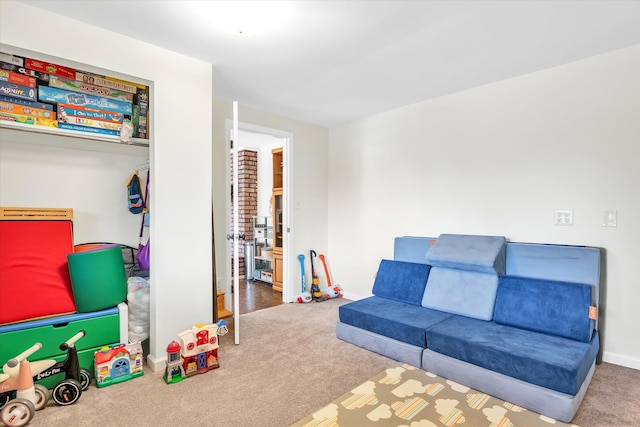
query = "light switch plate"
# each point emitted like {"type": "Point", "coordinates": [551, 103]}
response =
{"type": "Point", "coordinates": [610, 218]}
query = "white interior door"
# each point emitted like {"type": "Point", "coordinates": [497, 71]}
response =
{"type": "Point", "coordinates": [236, 228]}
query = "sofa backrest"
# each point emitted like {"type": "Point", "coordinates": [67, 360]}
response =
{"type": "Point", "coordinates": [484, 254]}
{"type": "Point", "coordinates": [464, 274]}
{"type": "Point", "coordinates": [564, 309]}
{"type": "Point", "coordinates": [564, 263]}
{"type": "Point", "coordinates": [412, 249]}
{"type": "Point", "coordinates": [401, 281]}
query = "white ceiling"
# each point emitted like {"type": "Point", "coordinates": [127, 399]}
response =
{"type": "Point", "coordinates": [336, 61]}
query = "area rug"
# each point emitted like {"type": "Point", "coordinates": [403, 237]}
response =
{"type": "Point", "coordinates": [406, 396]}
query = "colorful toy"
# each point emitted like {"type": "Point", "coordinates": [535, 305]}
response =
{"type": "Point", "coordinates": [315, 281]}
{"type": "Point", "coordinates": [77, 379]}
{"type": "Point", "coordinates": [18, 408]}
{"type": "Point", "coordinates": [118, 363]}
{"type": "Point", "coordinates": [195, 351]}
{"type": "Point", "coordinates": [305, 296]}
{"type": "Point", "coordinates": [331, 291]}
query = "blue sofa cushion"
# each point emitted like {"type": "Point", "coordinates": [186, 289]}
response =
{"type": "Point", "coordinates": [549, 361]}
{"type": "Point", "coordinates": [551, 307]}
{"type": "Point", "coordinates": [578, 264]}
{"type": "Point", "coordinates": [398, 320]}
{"type": "Point", "coordinates": [401, 281]}
{"type": "Point", "coordinates": [412, 249]}
{"type": "Point", "coordinates": [485, 254]}
{"type": "Point", "coordinates": [467, 293]}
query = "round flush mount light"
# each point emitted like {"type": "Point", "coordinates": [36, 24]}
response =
{"type": "Point", "coordinates": [245, 18]}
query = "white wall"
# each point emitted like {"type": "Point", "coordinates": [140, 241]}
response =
{"type": "Point", "coordinates": [48, 171]}
{"type": "Point", "coordinates": [180, 153]}
{"type": "Point", "coordinates": [309, 187]}
{"type": "Point", "coordinates": [499, 159]}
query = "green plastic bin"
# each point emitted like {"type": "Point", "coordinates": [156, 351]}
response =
{"type": "Point", "coordinates": [98, 278]}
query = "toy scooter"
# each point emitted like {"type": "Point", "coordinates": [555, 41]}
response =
{"type": "Point", "coordinates": [77, 379]}
{"type": "Point", "coordinates": [19, 410]}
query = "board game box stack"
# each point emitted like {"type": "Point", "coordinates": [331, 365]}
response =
{"type": "Point", "coordinates": [43, 94]}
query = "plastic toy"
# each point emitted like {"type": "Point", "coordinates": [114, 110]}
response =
{"type": "Point", "coordinates": [195, 351]}
{"type": "Point", "coordinates": [77, 379]}
{"type": "Point", "coordinates": [118, 363]}
{"type": "Point", "coordinates": [315, 281]}
{"type": "Point", "coordinates": [18, 392]}
{"type": "Point", "coordinates": [331, 291]}
{"type": "Point", "coordinates": [304, 296]}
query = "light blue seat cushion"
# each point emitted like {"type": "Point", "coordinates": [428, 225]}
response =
{"type": "Point", "coordinates": [401, 281]}
{"type": "Point", "coordinates": [484, 254]}
{"type": "Point", "coordinates": [549, 361]}
{"type": "Point", "coordinates": [398, 320]}
{"type": "Point", "coordinates": [551, 307]}
{"type": "Point", "coordinates": [467, 293]}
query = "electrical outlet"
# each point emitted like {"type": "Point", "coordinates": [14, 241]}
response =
{"type": "Point", "coordinates": [563, 217]}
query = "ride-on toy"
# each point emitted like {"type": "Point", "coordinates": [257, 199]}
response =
{"type": "Point", "coordinates": [77, 379]}
{"type": "Point", "coordinates": [17, 391]}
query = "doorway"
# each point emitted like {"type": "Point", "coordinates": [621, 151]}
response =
{"type": "Point", "coordinates": [255, 146]}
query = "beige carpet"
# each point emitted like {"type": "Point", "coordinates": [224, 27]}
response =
{"type": "Point", "coordinates": [288, 365]}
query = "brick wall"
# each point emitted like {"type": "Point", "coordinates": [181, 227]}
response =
{"type": "Point", "coordinates": [247, 198]}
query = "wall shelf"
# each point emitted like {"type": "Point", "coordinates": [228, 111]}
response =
{"type": "Point", "coordinates": [263, 248]}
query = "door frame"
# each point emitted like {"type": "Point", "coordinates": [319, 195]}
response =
{"type": "Point", "coordinates": [287, 200]}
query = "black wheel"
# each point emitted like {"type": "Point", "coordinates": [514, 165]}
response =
{"type": "Point", "coordinates": [67, 392]}
{"type": "Point", "coordinates": [85, 379]}
{"type": "Point", "coordinates": [5, 398]}
{"type": "Point", "coordinates": [42, 395]}
{"type": "Point", "coordinates": [18, 412]}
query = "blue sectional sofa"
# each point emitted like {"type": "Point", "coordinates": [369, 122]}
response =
{"type": "Point", "coordinates": [515, 320]}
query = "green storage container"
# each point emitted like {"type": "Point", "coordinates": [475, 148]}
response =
{"type": "Point", "coordinates": [102, 328]}
{"type": "Point", "coordinates": [98, 278]}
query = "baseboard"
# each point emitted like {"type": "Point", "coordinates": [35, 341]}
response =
{"type": "Point", "coordinates": [352, 297]}
{"type": "Point", "coordinates": [156, 364]}
{"type": "Point", "coordinates": [622, 360]}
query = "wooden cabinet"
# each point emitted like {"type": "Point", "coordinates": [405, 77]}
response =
{"type": "Point", "coordinates": [277, 168]}
{"type": "Point", "coordinates": [277, 271]}
{"type": "Point", "coordinates": [278, 229]}
{"type": "Point", "coordinates": [278, 218]}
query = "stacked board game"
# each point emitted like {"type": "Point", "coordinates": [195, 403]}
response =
{"type": "Point", "coordinates": [42, 94]}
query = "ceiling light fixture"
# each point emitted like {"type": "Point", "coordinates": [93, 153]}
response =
{"type": "Point", "coordinates": [244, 18]}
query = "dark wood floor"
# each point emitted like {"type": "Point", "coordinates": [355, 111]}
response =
{"type": "Point", "coordinates": [256, 295]}
{"type": "Point", "coordinates": [253, 296]}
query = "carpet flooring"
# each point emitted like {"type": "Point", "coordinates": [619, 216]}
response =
{"type": "Point", "coordinates": [289, 364]}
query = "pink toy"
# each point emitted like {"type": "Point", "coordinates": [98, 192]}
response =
{"type": "Point", "coordinates": [17, 377]}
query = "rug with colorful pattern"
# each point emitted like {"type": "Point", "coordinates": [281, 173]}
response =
{"type": "Point", "coordinates": [406, 396]}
